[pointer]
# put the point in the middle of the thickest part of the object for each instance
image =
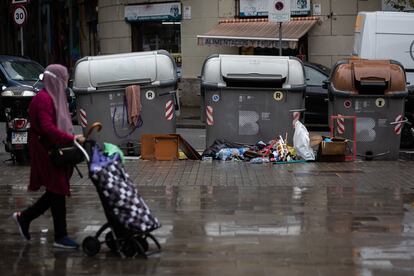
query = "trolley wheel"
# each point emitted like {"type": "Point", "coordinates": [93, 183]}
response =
{"type": "Point", "coordinates": [143, 242]}
{"type": "Point", "coordinates": [91, 246]}
{"type": "Point", "coordinates": [110, 241]}
{"type": "Point", "coordinates": [131, 247]}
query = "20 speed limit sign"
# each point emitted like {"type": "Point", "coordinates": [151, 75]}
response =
{"type": "Point", "coordinates": [20, 15]}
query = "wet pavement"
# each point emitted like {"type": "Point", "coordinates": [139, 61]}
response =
{"type": "Point", "coordinates": [231, 218]}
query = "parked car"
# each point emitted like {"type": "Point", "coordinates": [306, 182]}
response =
{"type": "Point", "coordinates": [316, 103]}
{"type": "Point", "coordinates": [18, 73]}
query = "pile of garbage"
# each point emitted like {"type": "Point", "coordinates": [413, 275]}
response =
{"type": "Point", "coordinates": [276, 150]}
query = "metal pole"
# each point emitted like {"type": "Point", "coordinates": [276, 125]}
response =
{"type": "Point", "coordinates": [21, 41]}
{"type": "Point", "coordinates": [280, 38]}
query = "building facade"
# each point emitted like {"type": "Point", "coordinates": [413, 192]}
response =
{"type": "Point", "coordinates": [54, 31]}
{"type": "Point", "coordinates": [130, 25]}
{"type": "Point", "coordinates": [64, 31]}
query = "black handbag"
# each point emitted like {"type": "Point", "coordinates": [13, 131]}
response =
{"type": "Point", "coordinates": [68, 155]}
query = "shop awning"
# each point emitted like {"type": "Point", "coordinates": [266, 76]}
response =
{"type": "Point", "coordinates": [257, 33]}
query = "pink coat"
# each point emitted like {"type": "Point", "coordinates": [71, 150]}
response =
{"type": "Point", "coordinates": [43, 125]}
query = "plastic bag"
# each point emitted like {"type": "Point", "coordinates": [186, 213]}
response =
{"type": "Point", "coordinates": [301, 142]}
{"type": "Point", "coordinates": [229, 153]}
{"type": "Point", "coordinates": [111, 149]}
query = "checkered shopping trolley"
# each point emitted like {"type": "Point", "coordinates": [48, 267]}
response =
{"type": "Point", "coordinates": [129, 220]}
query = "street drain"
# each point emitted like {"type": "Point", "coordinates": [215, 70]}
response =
{"type": "Point", "coordinates": [365, 219]}
{"type": "Point", "coordinates": [360, 227]}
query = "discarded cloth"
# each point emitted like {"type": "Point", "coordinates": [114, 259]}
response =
{"type": "Point", "coordinates": [133, 98]}
{"type": "Point", "coordinates": [219, 144]}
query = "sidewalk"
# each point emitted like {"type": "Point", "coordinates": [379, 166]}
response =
{"type": "Point", "coordinates": [190, 118]}
{"type": "Point", "coordinates": [231, 218]}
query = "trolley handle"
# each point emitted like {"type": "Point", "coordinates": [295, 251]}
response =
{"type": "Point", "coordinates": [96, 125]}
{"type": "Point", "coordinates": [79, 146]}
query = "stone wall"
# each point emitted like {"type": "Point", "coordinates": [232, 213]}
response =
{"type": "Point", "coordinates": [332, 38]}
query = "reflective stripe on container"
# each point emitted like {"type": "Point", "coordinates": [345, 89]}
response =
{"type": "Point", "coordinates": [340, 124]}
{"type": "Point", "coordinates": [83, 118]}
{"type": "Point", "coordinates": [209, 113]}
{"type": "Point", "coordinates": [169, 110]}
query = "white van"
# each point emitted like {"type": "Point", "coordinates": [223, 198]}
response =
{"type": "Point", "coordinates": [386, 35]}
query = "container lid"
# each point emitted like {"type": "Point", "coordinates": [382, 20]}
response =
{"type": "Point", "coordinates": [129, 68]}
{"type": "Point", "coordinates": [369, 77]}
{"type": "Point", "coordinates": [228, 70]}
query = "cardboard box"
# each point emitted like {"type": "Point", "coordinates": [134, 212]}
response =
{"type": "Point", "coordinates": [332, 151]}
{"type": "Point", "coordinates": [165, 147]}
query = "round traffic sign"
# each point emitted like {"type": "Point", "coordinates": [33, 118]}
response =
{"type": "Point", "coordinates": [19, 15]}
{"type": "Point", "coordinates": [279, 5]}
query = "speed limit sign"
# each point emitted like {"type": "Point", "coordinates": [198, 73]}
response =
{"type": "Point", "coordinates": [19, 15]}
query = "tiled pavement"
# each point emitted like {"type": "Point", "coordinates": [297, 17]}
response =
{"type": "Point", "coordinates": [232, 218]}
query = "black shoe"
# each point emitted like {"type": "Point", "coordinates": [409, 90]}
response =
{"type": "Point", "coordinates": [23, 226]}
{"type": "Point", "coordinates": [66, 243]}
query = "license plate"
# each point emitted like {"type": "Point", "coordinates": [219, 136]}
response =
{"type": "Point", "coordinates": [19, 138]}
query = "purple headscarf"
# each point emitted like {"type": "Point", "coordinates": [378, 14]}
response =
{"type": "Point", "coordinates": [55, 78]}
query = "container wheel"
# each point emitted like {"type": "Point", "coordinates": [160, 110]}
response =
{"type": "Point", "coordinates": [110, 241]}
{"type": "Point", "coordinates": [407, 137]}
{"type": "Point", "coordinates": [91, 246]}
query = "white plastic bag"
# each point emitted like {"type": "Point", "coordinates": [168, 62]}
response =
{"type": "Point", "coordinates": [301, 142]}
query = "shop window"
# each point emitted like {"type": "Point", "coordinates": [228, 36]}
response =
{"type": "Point", "coordinates": [149, 36]}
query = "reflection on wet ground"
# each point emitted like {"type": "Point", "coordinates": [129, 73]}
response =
{"type": "Point", "coordinates": [234, 219]}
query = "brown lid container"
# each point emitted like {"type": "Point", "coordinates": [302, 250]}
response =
{"type": "Point", "coordinates": [369, 77]}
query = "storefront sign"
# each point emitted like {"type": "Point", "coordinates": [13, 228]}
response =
{"type": "Point", "coordinates": [317, 9]}
{"type": "Point", "coordinates": [260, 7]}
{"type": "Point", "coordinates": [187, 12]}
{"type": "Point", "coordinates": [153, 12]}
{"type": "Point", "coordinates": [230, 42]}
{"type": "Point", "coordinates": [397, 5]}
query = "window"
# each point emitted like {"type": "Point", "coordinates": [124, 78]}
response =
{"type": "Point", "coordinates": [22, 70]}
{"type": "Point", "coordinates": [149, 36]}
{"type": "Point", "coordinates": [314, 77]}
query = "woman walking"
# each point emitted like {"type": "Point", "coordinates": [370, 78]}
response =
{"type": "Point", "coordinates": [50, 126]}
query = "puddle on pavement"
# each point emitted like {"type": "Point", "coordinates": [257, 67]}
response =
{"type": "Point", "coordinates": [337, 221]}
{"type": "Point", "coordinates": [325, 172]}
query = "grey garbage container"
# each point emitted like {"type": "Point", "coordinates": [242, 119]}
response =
{"type": "Point", "coordinates": [251, 98]}
{"type": "Point", "coordinates": [100, 83]}
{"type": "Point", "coordinates": [373, 91]}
